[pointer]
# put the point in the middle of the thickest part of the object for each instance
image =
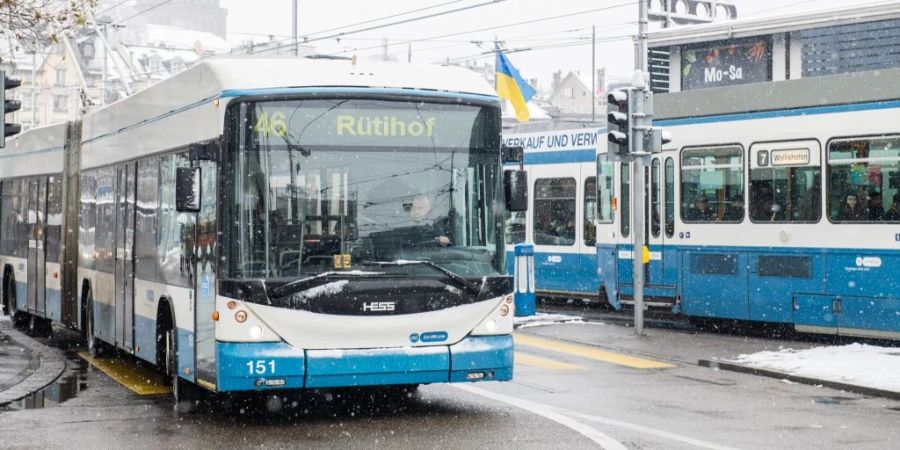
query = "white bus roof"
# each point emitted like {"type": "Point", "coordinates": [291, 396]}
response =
{"type": "Point", "coordinates": [739, 28]}
{"type": "Point", "coordinates": [37, 151]}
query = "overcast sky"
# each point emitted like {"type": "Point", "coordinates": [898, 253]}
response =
{"type": "Point", "coordinates": [617, 20]}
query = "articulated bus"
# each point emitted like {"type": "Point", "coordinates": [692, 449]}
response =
{"type": "Point", "coordinates": [271, 224]}
{"type": "Point", "coordinates": [779, 203]}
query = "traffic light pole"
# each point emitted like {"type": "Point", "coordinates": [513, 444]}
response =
{"type": "Point", "coordinates": [638, 165]}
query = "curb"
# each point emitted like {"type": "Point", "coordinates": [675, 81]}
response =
{"type": "Point", "coordinates": [51, 363]}
{"type": "Point", "coordinates": [863, 390]}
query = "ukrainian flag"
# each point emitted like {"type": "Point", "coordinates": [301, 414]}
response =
{"type": "Point", "coordinates": [511, 86]}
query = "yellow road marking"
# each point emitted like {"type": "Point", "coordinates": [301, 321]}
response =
{"type": "Point", "coordinates": [134, 377]}
{"type": "Point", "coordinates": [590, 353]}
{"type": "Point", "coordinates": [544, 363]}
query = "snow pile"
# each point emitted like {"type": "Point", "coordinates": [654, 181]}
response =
{"type": "Point", "coordinates": [858, 364]}
{"type": "Point", "coordinates": [541, 319]}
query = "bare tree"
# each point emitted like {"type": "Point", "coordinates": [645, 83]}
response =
{"type": "Point", "coordinates": [42, 20]}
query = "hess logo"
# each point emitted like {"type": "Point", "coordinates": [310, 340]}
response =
{"type": "Point", "coordinates": [378, 306]}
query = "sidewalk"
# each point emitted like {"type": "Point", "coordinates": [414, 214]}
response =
{"type": "Point", "coordinates": [776, 358]}
{"type": "Point", "coordinates": [26, 365]}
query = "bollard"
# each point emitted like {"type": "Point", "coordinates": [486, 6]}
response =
{"type": "Point", "coordinates": [525, 299]}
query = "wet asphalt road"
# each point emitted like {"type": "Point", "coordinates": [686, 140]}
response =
{"type": "Point", "coordinates": [558, 400]}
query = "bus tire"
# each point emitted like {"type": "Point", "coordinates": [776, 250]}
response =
{"type": "Point", "coordinates": [184, 393]}
{"type": "Point", "coordinates": [96, 347]}
{"type": "Point", "coordinates": [41, 327]}
{"type": "Point", "coordinates": [20, 319]}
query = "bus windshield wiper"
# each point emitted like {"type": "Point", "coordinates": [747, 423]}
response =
{"type": "Point", "coordinates": [469, 286]}
{"type": "Point", "coordinates": [313, 281]}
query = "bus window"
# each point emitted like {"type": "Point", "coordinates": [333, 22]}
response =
{"type": "Point", "coordinates": [864, 179]}
{"type": "Point", "coordinates": [554, 211]}
{"type": "Point", "coordinates": [53, 224]}
{"type": "Point", "coordinates": [87, 219]}
{"type": "Point", "coordinates": [712, 185]}
{"type": "Point", "coordinates": [625, 200]}
{"type": "Point", "coordinates": [605, 191]}
{"type": "Point", "coordinates": [590, 211]}
{"type": "Point", "coordinates": [105, 237]}
{"type": "Point", "coordinates": [146, 225]}
{"type": "Point", "coordinates": [654, 198]}
{"type": "Point", "coordinates": [14, 213]}
{"type": "Point", "coordinates": [670, 197]}
{"type": "Point", "coordinates": [785, 194]}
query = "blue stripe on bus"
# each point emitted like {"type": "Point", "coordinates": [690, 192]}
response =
{"type": "Point", "coordinates": [241, 365]}
{"type": "Point", "coordinates": [52, 306]}
{"type": "Point", "coordinates": [809, 111]}
{"type": "Point", "coordinates": [145, 338]}
{"type": "Point", "coordinates": [491, 355]}
{"type": "Point", "coordinates": [185, 354]}
{"type": "Point", "coordinates": [339, 368]}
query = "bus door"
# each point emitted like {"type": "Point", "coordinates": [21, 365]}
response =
{"type": "Point", "coordinates": [205, 280]}
{"type": "Point", "coordinates": [37, 214]}
{"type": "Point", "coordinates": [124, 269]}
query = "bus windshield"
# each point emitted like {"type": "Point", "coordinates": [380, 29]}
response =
{"type": "Point", "coordinates": [350, 184]}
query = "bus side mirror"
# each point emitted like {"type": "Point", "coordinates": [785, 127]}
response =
{"type": "Point", "coordinates": [187, 189]}
{"type": "Point", "coordinates": [515, 185]}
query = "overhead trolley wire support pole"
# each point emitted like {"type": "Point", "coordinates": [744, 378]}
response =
{"type": "Point", "coordinates": [639, 164]}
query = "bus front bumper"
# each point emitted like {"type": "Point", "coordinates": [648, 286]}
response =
{"type": "Point", "coordinates": [277, 365]}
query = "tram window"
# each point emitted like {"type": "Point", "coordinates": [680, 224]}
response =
{"type": "Point", "coordinates": [175, 230]}
{"type": "Point", "coordinates": [87, 220]}
{"type": "Point", "coordinates": [104, 239]}
{"type": "Point", "coordinates": [605, 191]}
{"type": "Point", "coordinates": [515, 227]}
{"type": "Point", "coordinates": [554, 211]}
{"type": "Point", "coordinates": [53, 224]}
{"type": "Point", "coordinates": [654, 198]}
{"type": "Point", "coordinates": [590, 211]}
{"type": "Point", "coordinates": [712, 185]}
{"type": "Point", "coordinates": [670, 197]}
{"type": "Point", "coordinates": [864, 180]}
{"type": "Point", "coordinates": [626, 200]}
{"type": "Point", "coordinates": [785, 194]}
{"type": "Point", "coordinates": [145, 247]}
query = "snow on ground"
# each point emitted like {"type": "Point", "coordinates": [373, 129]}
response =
{"type": "Point", "coordinates": [857, 364]}
{"type": "Point", "coordinates": [541, 319]}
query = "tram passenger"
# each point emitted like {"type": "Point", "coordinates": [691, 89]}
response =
{"type": "Point", "coordinates": [701, 211]}
{"type": "Point", "coordinates": [893, 214]}
{"type": "Point", "coordinates": [876, 207]}
{"type": "Point", "coordinates": [851, 210]}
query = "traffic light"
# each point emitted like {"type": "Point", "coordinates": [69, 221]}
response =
{"type": "Point", "coordinates": [619, 122]}
{"type": "Point", "coordinates": [9, 106]}
{"type": "Point", "coordinates": [658, 138]}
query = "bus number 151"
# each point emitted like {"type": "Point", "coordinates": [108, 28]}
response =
{"type": "Point", "coordinates": [261, 367]}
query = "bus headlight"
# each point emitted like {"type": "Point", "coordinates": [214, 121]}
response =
{"type": "Point", "coordinates": [255, 332]}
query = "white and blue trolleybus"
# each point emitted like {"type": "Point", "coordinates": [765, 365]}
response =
{"type": "Point", "coordinates": [266, 224]}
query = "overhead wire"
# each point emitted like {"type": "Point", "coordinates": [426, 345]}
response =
{"type": "Point", "coordinates": [377, 27]}
{"type": "Point", "coordinates": [508, 25]}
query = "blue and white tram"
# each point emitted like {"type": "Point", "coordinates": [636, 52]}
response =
{"type": "Point", "coordinates": [562, 209]}
{"type": "Point", "coordinates": [262, 224]}
{"type": "Point", "coordinates": [785, 213]}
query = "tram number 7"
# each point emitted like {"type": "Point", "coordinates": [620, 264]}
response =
{"type": "Point", "coordinates": [261, 367]}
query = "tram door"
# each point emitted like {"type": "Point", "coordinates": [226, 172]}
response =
{"type": "Point", "coordinates": [653, 227]}
{"type": "Point", "coordinates": [124, 271]}
{"type": "Point", "coordinates": [37, 272]}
